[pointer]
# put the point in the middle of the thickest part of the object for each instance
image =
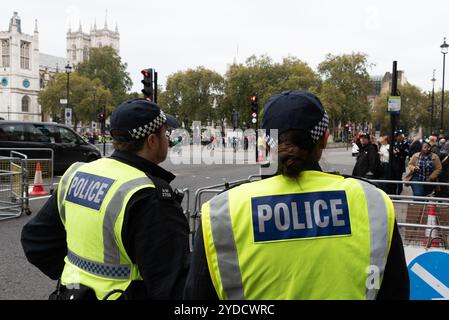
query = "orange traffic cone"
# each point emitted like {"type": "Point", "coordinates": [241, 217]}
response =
{"type": "Point", "coordinates": [38, 187]}
{"type": "Point", "coordinates": [431, 221]}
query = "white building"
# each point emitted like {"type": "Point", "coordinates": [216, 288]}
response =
{"type": "Point", "coordinates": [19, 73]}
{"type": "Point", "coordinates": [24, 71]}
{"type": "Point", "coordinates": [80, 43]}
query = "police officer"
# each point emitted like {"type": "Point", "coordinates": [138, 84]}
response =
{"type": "Point", "coordinates": [114, 228]}
{"type": "Point", "coordinates": [302, 234]}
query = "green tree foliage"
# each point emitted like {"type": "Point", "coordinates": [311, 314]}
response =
{"type": "Point", "coordinates": [87, 97]}
{"type": "Point", "coordinates": [105, 64]}
{"type": "Point", "coordinates": [414, 113]}
{"type": "Point", "coordinates": [263, 76]}
{"type": "Point", "coordinates": [346, 86]}
{"type": "Point", "coordinates": [194, 94]}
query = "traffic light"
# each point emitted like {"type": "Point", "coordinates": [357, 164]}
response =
{"type": "Point", "coordinates": [254, 108]}
{"type": "Point", "coordinates": [147, 83]}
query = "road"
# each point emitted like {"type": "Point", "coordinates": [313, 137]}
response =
{"type": "Point", "coordinates": [21, 280]}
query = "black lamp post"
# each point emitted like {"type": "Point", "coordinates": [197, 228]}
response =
{"type": "Point", "coordinates": [68, 69]}
{"type": "Point", "coordinates": [444, 49]}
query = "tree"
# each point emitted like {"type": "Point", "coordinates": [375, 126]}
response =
{"type": "Point", "coordinates": [87, 97]}
{"type": "Point", "coordinates": [105, 64]}
{"type": "Point", "coordinates": [263, 76]}
{"type": "Point", "coordinates": [194, 94]}
{"type": "Point", "coordinates": [346, 87]}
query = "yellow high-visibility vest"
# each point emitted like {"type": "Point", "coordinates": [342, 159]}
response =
{"type": "Point", "coordinates": [92, 199]}
{"type": "Point", "coordinates": [319, 236]}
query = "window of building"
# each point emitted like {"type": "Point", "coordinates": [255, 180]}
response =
{"type": "Point", "coordinates": [5, 53]}
{"type": "Point", "coordinates": [73, 52]}
{"type": "Point", "coordinates": [25, 104]}
{"type": "Point", "coordinates": [24, 55]}
{"type": "Point", "coordinates": [85, 53]}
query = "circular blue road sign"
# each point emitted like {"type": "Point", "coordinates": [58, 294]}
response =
{"type": "Point", "coordinates": [26, 83]}
{"type": "Point", "coordinates": [429, 276]}
{"type": "Point", "coordinates": [4, 82]}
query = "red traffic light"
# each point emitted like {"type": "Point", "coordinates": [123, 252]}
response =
{"type": "Point", "coordinates": [146, 73]}
{"type": "Point", "coordinates": [253, 98]}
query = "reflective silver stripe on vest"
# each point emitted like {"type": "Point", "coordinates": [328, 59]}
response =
{"type": "Point", "coordinates": [378, 225]}
{"type": "Point", "coordinates": [115, 206]}
{"type": "Point", "coordinates": [64, 187]}
{"type": "Point", "coordinates": [227, 257]}
{"type": "Point", "coordinates": [100, 269]}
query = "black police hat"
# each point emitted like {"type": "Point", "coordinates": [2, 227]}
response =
{"type": "Point", "coordinates": [135, 119]}
{"type": "Point", "coordinates": [297, 109]}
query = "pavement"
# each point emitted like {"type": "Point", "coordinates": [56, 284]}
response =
{"type": "Point", "coordinates": [21, 280]}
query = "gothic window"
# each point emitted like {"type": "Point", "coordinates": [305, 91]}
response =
{"type": "Point", "coordinates": [24, 55]}
{"type": "Point", "coordinates": [5, 53]}
{"type": "Point", "coordinates": [85, 53]}
{"type": "Point", "coordinates": [73, 52]}
{"type": "Point", "coordinates": [25, 104]}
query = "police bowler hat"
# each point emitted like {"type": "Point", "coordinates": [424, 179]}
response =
{"type": "Point", "coordinates": [138, 118]}
{"type": "Point", "coordinates": [296, 109]}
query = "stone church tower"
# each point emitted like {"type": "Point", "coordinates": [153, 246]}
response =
{"type": "Point", "coordinates": [79, 43]}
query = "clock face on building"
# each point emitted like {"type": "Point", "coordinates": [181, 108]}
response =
{"type": "Point", "coordinates": [26, 83]}
{"type": "Point", "coordinates": [4, 82]}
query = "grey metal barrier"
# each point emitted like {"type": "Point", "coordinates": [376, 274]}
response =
{"type": "Point", "coordinates": [13, 188]}
{"type": "Point", "coordinates": [31, 163]}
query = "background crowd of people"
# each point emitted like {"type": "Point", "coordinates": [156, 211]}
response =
{"type": "Point", "coordinates": [421, 160]}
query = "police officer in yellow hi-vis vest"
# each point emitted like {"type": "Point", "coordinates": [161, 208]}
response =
{"type": "Point", "coordinates": [115, 228]}
{"type": "Point", "coordinates": [302, 234]}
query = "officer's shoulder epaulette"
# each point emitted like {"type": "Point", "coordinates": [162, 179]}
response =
{"type": "Point", "coordinates": [163, 189]}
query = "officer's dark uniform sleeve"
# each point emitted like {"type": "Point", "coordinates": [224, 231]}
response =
{"type": "Point", "coordinates": [396, 283]}
{"type": "Point", "coordinates": [44, 240]}
{"type": "Point", "coordinates": [155, 236]}
{"type": "Point", "coordinates": [199, 283]}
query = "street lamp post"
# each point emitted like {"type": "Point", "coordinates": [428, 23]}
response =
{"type": "Point", "coordinates": [433, 102]}
{"type": "Point", "coordinates": [68, 69]}
{"type": "Point", "coordinates": [444, 49]}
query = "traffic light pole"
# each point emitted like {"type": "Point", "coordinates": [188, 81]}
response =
{"type": "Point", "coordinates": [257, 134]}
{"type": "Point", "coordinates": [393, 118]}
{"type": "Point", "coordinates": [155, 86]}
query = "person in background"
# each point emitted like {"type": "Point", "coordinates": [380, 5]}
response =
{"type": "Point", "coordinates": [423, 166]}
{"type": "Point", "coordinates": [415, 146]}
{"type": "Point", "coordinates": [384, 153]}
{"type": "Point", "coordinates": [400, 153]}
{"type": "Point", "coordinates": [368, 160]}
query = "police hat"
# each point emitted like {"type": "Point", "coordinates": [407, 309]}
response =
{"type": "Point", "coordinates": [138, 118]}
{"type": "Point", "coordinates": [364, 135]}
{"type": "Point", "coordinates": [297, 109]}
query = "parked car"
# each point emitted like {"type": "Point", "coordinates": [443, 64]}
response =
{"type": "Point", "coordinates": [68, 146]}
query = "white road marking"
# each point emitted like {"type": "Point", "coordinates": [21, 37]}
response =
{"type": "Point", "coordinates": [427, 277]}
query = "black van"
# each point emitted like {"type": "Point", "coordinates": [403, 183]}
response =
{"type": "Point", "coordinates": [68, 147]}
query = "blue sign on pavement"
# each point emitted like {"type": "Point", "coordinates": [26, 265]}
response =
{"type": "Point", "coordinates": [429, 276]}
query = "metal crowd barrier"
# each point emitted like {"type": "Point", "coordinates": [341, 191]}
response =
{"type": "Point", "coordinates": [46, 164]}
{"type": "Point", "coordinates": [411, 212]}
{"type": "Point", "coordinates": [13, 188]}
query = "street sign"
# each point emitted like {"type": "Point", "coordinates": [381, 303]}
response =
{"type": "Point", "coordinates": [253, 120]}
{"type": "Point", "coordinates": [63, 101]}
{"type": "Point", "coordinates": [68, 116]}
{"type": "Point", "coordinates": [429, 276]}
{"type": "Point", "coordinates": [94, 125]}
{"type": "Point", "coordinates": [394, 104]}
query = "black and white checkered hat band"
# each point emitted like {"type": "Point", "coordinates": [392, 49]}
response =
{"type": "Point", "coordinates": [317, 132]}
{"type": "Point", "coordinates": [146, 130]}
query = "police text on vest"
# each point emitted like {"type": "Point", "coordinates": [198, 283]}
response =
{"type": "Point", "coordinates": [302, 215]}
{"type": "Point", "coordinates": [88, 190]}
